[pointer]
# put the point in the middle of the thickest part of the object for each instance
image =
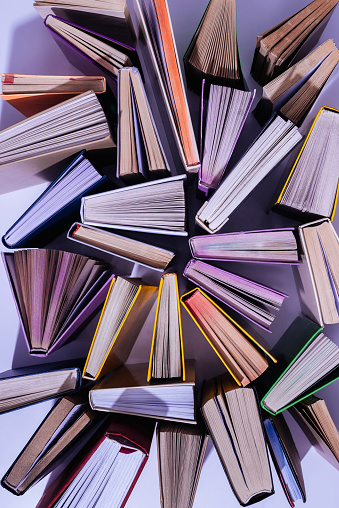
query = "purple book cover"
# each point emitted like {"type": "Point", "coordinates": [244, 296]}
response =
{"type": "Point", "coordinates": [214, 270]}
{"type": "Point", "coordinates": [196, 256]}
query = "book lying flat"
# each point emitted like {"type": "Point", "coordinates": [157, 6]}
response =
{"type": "Point", "coordinates": [227, 111]}
{"type": "Point", "coordinates": [309, 361]}
{"type": "Point", "coordinates": [312, 185]}
{"type": "Point", "coordinates": [150, 207]}
{"type": "Point", "coordinates": [275, 141]}
{"type": "Point", "coordinates": [317, 276]}
{"type": "Point", "coordinates": [62, 427]}
{"type": "Point", "coordinates": [105, 472]}
{"type": "Point", "coordinates": [126, 248]}
{"type": "Point", "coordinates": [285, 458]}
{"type": "Point", "coordinates": [167, 349]}
{"type": "Point", "coordinates": [106, 53]}
{"type": "Point", "coordinates": [140, 154]}
{"type": "Point", "coordinates": [252, 300]}
{"type": "Point", "coordinates": [36, 143]}
{"type": "Point", "coordinates": [318, 420]}
{"type": "Point", "coordinates": [181, 453]}
{"type": "Point", "coordinates": [32, 94]}
{"type": "Point", "coordinates": [28, 385]}
{"type": "Point", "coordinates": [127, 391]}
{"type": "Point", "coordinates": [233, 418]}
{"type": "Point", "coordinates": [57, 202]}
{"type": "Point", "coordinates": [238, 350]}
{"type": "Point", "coordinates": [127, 305]}
{"type": "Point", "coordinates": [213, 51]}
{"type": "Point", "coordinates": [55, 293]}
{"type": "Point", "coordinates": [108, 16]}
{"type": "Point", "coordinates": [296, 89]}
{"type": "Point", "coordinates": [276, 47]}
{"type": "Point", "coordinates": [156, 28]}
{"type": "Point", "coordinates": [265, 246]}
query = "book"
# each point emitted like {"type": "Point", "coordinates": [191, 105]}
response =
{"type": "Point", "coordinates": [32, 94]}
{"type": "Point", "coordinates": [213, 51]}
{"type": "Point", "coordinates": [227, 111]}
{"type": "Point", "coordinates": [127, 391]}
{"type": "Point", "coordinates": [274, 142]}
{"type": "Point", "coordinates": [29, 385]}
{"type": "Point", "coordinates": [311, 188]}
{"type": "Point", "coordinates": [285, 458]}
{"type": "Point", "coordinates": [308, 361]}
{"type": "Point", "coordinates": [151, 207]}
{"type": "Point", "coordinates": [238, 350]}
{"type": "Point", "coordinates": [295, 90]}
{"type": "Point", "coordinates": [69, 419]}
{"type": "Point", "coordinates": [276, 47]}
{"type": "Point", "coordinates": [156, 30]}
{"type": "Point", "coordinates": [167, 349]}
{"type": "Point", "coordinates": [317, 276]}
{"type": "Point", "coordinates": [107, 16]}
{"type": "Point", "coordinates": [233, 418]}
{"type": "Point", "coordinates": [61, 198]}
{"type": "Point", "coordinates": [181, 453]}
{"type": "Point", "coordinates": [252, 300]}
{"type": "Point", "coordinates": [55, 293]}
{"type": "Point", "coordinates": [106, 53]}
{"type": "Point", "coordinates": [264, 246]}
{"type": "Point", "coordinates": [127, 305]}
{"type": "Point", "coordinates": [126, 248]}
{"type": "Point", "coordinates": [105, 472]}
{"type": "Point", "coordinates": [316, 416]}
{"type": "Point", "coordinates": [36, 143]}
{"type": "Point", "coordinates": [140, 153]}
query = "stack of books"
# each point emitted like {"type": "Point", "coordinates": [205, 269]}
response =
{"type": "Point", "coordinates": [101, 427]}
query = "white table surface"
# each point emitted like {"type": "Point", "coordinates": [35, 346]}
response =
{"type": "Point", "coordinates": [27, 48]}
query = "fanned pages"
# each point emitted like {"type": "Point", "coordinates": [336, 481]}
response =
{"type": "Point", "coordinates": [167, 350]}
{"type": "Point", "coordinates": [233, 419]}
{"type": "Point", "coordinates": [108, 54]}
{"type": "Point", "coordinates": [55, 292]}
{"type": "Point", "coordinates": [63, 425]}
{"type": "Point", "coordinates": [126, 308]}
{"type": "Point", "coordinates": [28, 385]}
{"type": "Point", "coordinates": [156, 27]}
{"type": "Point", "coordinates": [316, 415]}
{"type": "Point", "coordinates": [312, 185]}
{"type": "Point", "coordinates": [139, 149]}
{"type": "Point", "coordinates": [151, 207]}
{"type": "Point", "coordinates": [34, 144]}
{"type": "Point", "coordinates": [285, 458]}
{"type": "Point", "coordinates": [267, 246]}
{"type": "Point", "coordinates": [106, 470]}
{"type": "Point", "coordinates": [296, 89]}
{"type": "Point", "coordinates": [127, 391]}
{"type": "Point", "coordinates": [213, 51]}
{"type": "Point", "coordinates": [140, 252]}
{"type": "Point", "coordinates": [252, 300]}
{"type": "Point", "coordinates": [226, 114]}
{"type": "Point", "coordinates": [240, 353]}
{"type": "Point", "coordinates": [58, 201]}
{"type": "Point", "coordinates": [181, 452]}
{"type": "Point", "coordinates": [318, 274]}
{"type": "Point", "coordinates": [276, 48]}
{"type": "Point", "coordinates": [312, 362]}
{"type": "Point", "coordinates": [272, 145]}
{"type": "Point", "coordinates": [32, 94]}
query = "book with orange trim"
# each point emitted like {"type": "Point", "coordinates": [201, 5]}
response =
{"type": "Point", "coordinates": [125, 310]}
{"type": "Point", "coordinates": [311, 188]}
{"type": "Point", "coordinates": [237, 349]}
{"type": "Point", "coordinates": [167, 350]}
